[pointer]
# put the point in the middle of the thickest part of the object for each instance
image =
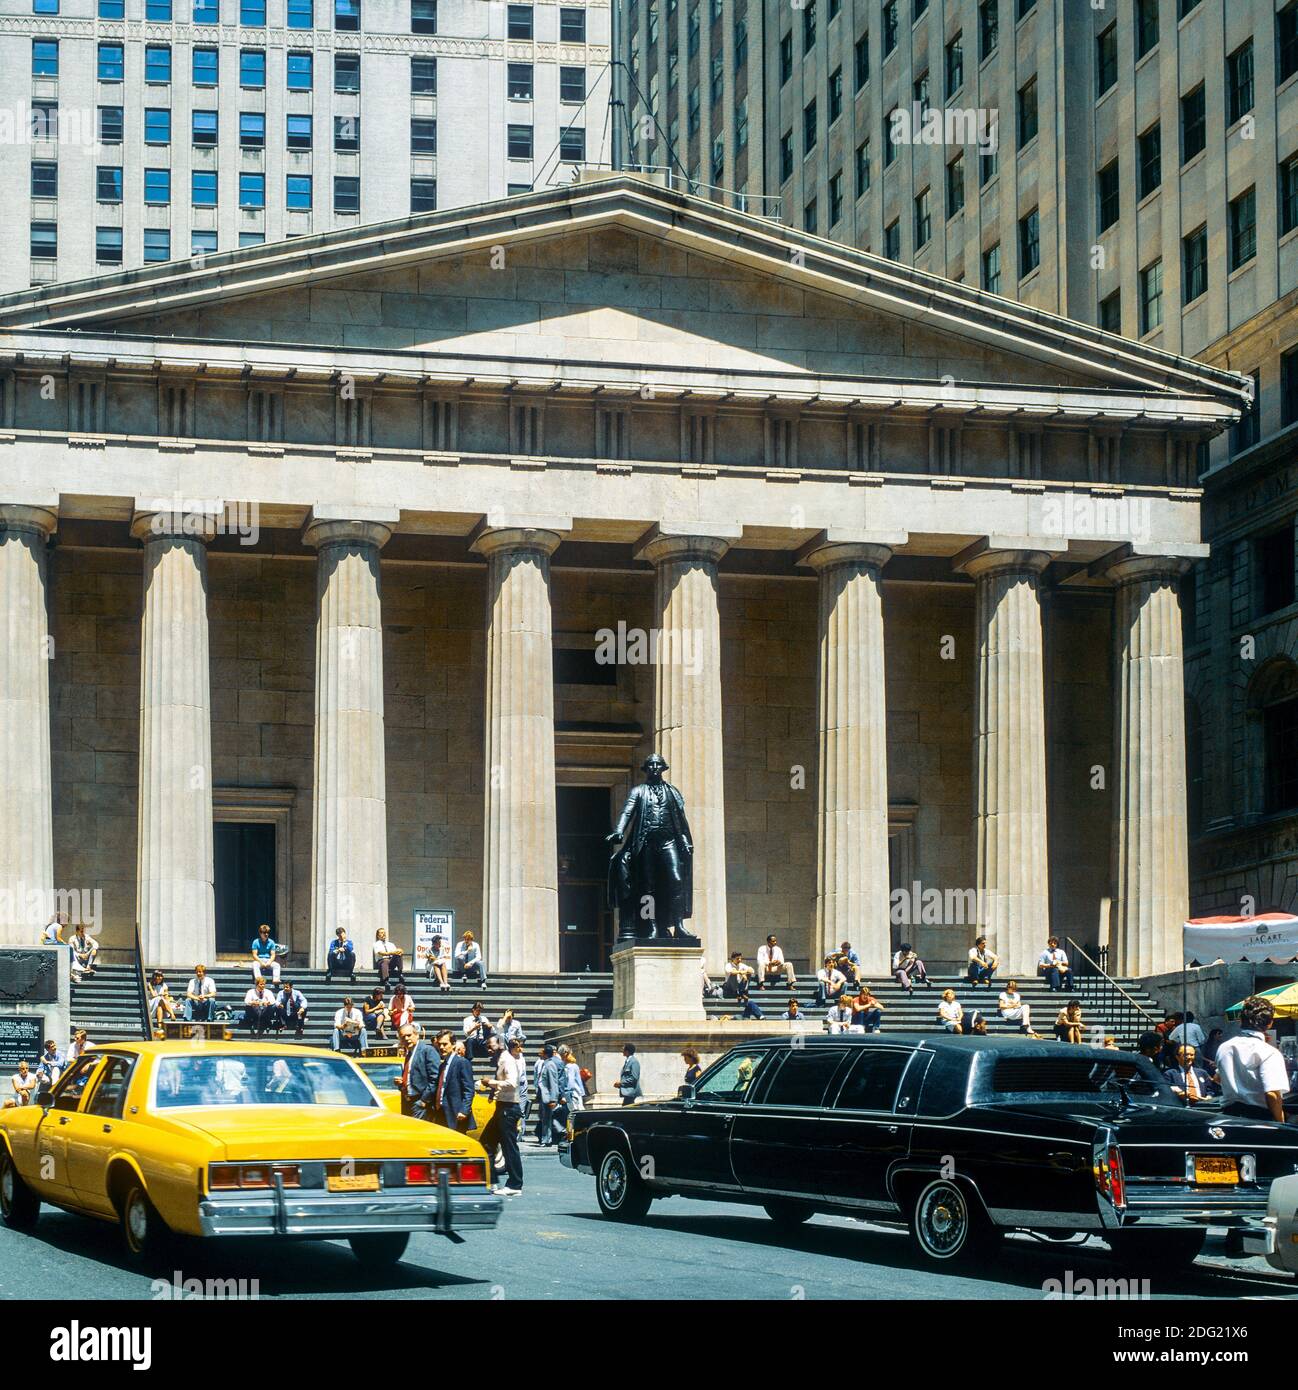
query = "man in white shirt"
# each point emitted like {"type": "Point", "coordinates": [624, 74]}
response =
{"type": "Point", "coordinates": [771, 962]}
{"type": "Point", "coordinates": [478, 1032]}
{"type": "Point", "coordinates": [259, 1008]}
{"type": "Point", "coordinates": [839, 1018]}
{"type": "Point", "coordinates": [1252, 1073]}
{"type": "Point", "coordinates": [349, 1026]}
{"type": "Point", "coordinates": [509, 1085]}
{"type": "Point", "coordinates": [85, 951]}
{"type": "Point", "coordinates": [291, 1009]}
{"type": "Point", "coordinates": [468, 961]}
{"type": "Point", "coordinates": [1187, 1031]}
{"type": "Point", "coordinates": [200, 996]}
{"type": "Point", "coordinates": [829, 983]}
{"type": "Point", "coordinates": [1052, 966]}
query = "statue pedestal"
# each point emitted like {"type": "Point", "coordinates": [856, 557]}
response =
{"type": "Point", "coordinates": [655, 983]}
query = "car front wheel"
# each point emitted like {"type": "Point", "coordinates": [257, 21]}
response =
{"type": "Point", "coordinates": [380, 1250]}
{"type": "Point", "coordinates": [19, 1205]}
{"type": "Point", "coordinates": [947, 1223]}
{"type": "Point", "coordinates": [620, 1190]}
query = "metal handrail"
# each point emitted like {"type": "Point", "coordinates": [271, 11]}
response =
{"type": "Point", "coordinates": [1099, 970]}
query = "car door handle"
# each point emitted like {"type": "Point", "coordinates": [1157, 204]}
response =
{"type": "Point", "coordinates": [892, 1129]}
{"type": "Point", "coordinates": [63, 1119]}
{"type": "Point", "coordinates": [108, 1129]}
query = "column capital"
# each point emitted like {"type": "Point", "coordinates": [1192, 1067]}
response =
{"type": "Point", "coordinates": [199, 522]}
{"type": "Point", "coordinates": [1028, 554]}
{"type": "Point", "coordinates": [666, 541]}
{"type": "Point", "coordinates": [40, 520]}
{"type": "Point", "coordinates": [1132, 563]}
{"type": "Point", "coordinates": [843, 547]}
{"type": "Point", "coordinates": [497, 533]}
{"type": "Point", "coordinates": [332, 527]}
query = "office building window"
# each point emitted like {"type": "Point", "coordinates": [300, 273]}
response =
{"type": "Point", "coordinates": [157, 125]}
{"type": "Point", "coordinates": [252, 190]}
{"type": "Point", "coordinates": [423, 195]}
{"type": "Point", "coordinates": [1110, 315]}
{"type": "Point", "coordinates": [1027, 106]}
{"type": "Point", "coordinates": [203, 129]}
{"type": "Point", "coordinates": [43, 242]}
{"type": "Point", "coordinates": [1150, 155]}
{"type": "Point", "coordinates": [992, 269]}
{"type": "Point", "coordinates": [423, 135]}
{"type": "Point", "coordinates": [1151, 297]}
{"type": "Point", "coordinates": [741, 43]}
{"type": "Point", "coordinates": [158, 11]}
{"type": "Point", "coordinates": [108, 245]}
{"type": "Point", "coordinates": [202, 241]}
{"type": "Point", "coordinates": [1247, 430]}
{"type": "Point", "coordinates": [836, 199]}
{"type": "Point", "coordinates": [1243, 229]}
{"type": "Point", "coordinates": [1106, 60]}
{"type": "Point", "coordinates": [862, 167]}
{"type": "Point", "coordinates": [1023, 8]}
{"type": "Point", "coordinates": [45, 6]}
{"type": "Point", "coordinates": [518, 21]}
{"type": "Point", "coordinates": [519, 81]}
{"type": "Point", "coordinates": [45, 178]}
{"type": "Point", "coordinates": [989, 28]}
{"type": "Point", "coordinates": [157, 187]}
{"type": "Point", "coordinates": [989, 164]}
{"type": "Point", "coordinates": [1239, 83]}
{"type": "Point", "coordinates": [206, 11]}
{"type": "Point", "coordinates": [252, 67]}
{"type": "Point", "coordinates": [112, 62]}
{"type": "Point", "coordinates": [45, 57]}
{"type": "Point", "coordinates": [1195, 264]}
{"type": "Point", "coordinates": [423, 16]}
{"type": "Point", "coordinates": [252, 14]}
{"type": "Point", "coordinates": [111, 9]}
{"type": "Point", "coordinates": [423, 76]}
{"type": "Point", "coordinates": [954, 65]}
{"type": "Point", "coordinates": [347, 16]}
{"type": "Point", "coordinates": [889, 145]}
{"type": "Point", "coordinates": [923, 219]}
{"type": "Point", "coordinates": [1289, 387]}
{"type": "Point", "coordinates": [1106, 194]}
{"type": "Point", "coordinates": [252, 130]}
{"type": "Point", "coordinates": [157, 244]}
{"type": "Point", "coordinates": [1289, 194]}
{"type": "Point", "coordinates": [202, 188]}
{"type": "Point", "coordinates": [299, 71]}
{"type": "Point", "coordinates": [297, 134]}
{"type": "Point", "coordinates": [955, 186]}
{"type": "Point", "coordinates": [786, 58]}
{"type": "Point", "coordinates": [572, 25]}
{"type": "Point", "coordinates": [297, 192]}
{"type": "Point", "coordinates": [205, 67]}
{"type": "Point", "coordinates": [300, 14]}
{"type": "Point", "coordinates": [1286, 56]}
{"type": "Point", "coordinates": [572, 84]}
{"type": "Point", "coordinates": [572, 145]}
{"type": "Point", "coordinates": [347, 72]}
{"type": "Point", "coordinates": [1146, 26]}
{"type": "Point", "coordinates": [252, 238]}
{"type": "Point", "coordinates": [835, 95]}
{"type": "Point", "coordinates": [1275, 564]}
{"type": "Point", "coordinates": [518, 141]}
{"type": "Point", "coordinates": [1029, 243]}
{"type": "Point", "coordinates": [809, 127]}
{"type": "Point", "coordinates": [45, 120]}
{"type": "Point", "coordinates": [347, 134]}
{"type": "Point", "coordinates": [157, 63]}
{"type": "Point", "coordinates": [919, 90]}
{"type": "Point", "coordinates": [808, 26]}
{"type": "Point", "coordinates": [809, 217]}
{"type": "Point", "coordinates": [892, 240]}
{"type": "Point", "coordinates": [108, 183]}
{"type": "Point", "coordinates": [1194, 128]}
{"type": "Point", "coordinates": [786, 156]}
{"type": "Point", "coordinates": [862, 60]}
{"type": "Point", "coordinates": [347, 194]}
{"type": "Point", "coordinates": [889, 18]}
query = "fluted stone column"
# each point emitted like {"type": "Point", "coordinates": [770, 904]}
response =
{"type": "Point", "coordinates": [349, 829]}
{"type": "Point", "coordinates": [175, 904]}
{"type": "Point", "coordinates": [26, 808]}
{"type": "Point", "coordinates": [852, 898]}
{"type": "Point", "coordinates": [1150, 846]}
{"type": "Point", "coordinates": [520, 863]}
{"type": "Point", "coordinates": [687, 711]}
{"type": "Point", "coordinates": [1013, 873]}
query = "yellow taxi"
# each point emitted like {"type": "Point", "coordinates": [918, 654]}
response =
{"type": "Point", "coordinates": [226, 1139]}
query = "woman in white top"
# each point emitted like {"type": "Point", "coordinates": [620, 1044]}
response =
{"type": "Point", "coordinates": [1014, 1010]}
{"type": "Point", "coordinates": [950, 1012]}
{"type": "Point", "coordinates": [439, 961]}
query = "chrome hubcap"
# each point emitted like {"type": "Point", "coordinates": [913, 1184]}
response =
{"type": "Point", "coordinates": [6, 1185]}
{"type": "Point", "coordinates": [613, 1180]}
{"type": "Point", "coordinates": [944, 1221]}
{"type": "Point", "coordinates": [137, 1220]}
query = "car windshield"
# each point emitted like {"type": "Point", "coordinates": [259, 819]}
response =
{"type": "Point", "coordinates": [259, 1078]}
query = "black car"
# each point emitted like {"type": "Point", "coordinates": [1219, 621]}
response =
{"type": "Point", "coordinates": [962, 1138]}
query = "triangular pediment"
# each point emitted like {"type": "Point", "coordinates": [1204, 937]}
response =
{"type": "Point", "coordinates": [614, 272]}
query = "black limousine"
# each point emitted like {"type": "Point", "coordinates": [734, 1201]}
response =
{"type": "Point", "coordinates": [961, 1138]}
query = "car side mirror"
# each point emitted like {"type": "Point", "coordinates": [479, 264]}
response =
{"type": "Point", "coordinates": [686, 1093]}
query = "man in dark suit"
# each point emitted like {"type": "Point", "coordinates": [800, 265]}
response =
{"type": "Point", "coordinates": [454, 1085]}
{"type": "Point", "coordinates": [1190, 1080]}
{"type": "Point", "coordinates": [421, 1064]}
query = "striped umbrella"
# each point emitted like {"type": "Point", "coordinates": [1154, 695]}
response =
{"type": "Point", "coordinates": [1284, 999]}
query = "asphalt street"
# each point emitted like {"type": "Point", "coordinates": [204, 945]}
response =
{"type": "Point", "coordinates": [552, 1243]}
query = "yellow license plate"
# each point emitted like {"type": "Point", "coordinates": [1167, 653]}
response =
{"type": "Point", "coordinates": [1221, 1170]}
{"type": "Point", "coordinates": [356, 1182]}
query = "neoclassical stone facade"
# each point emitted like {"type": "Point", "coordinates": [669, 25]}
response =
{"type": "Point", "coordinates": [333, 538]}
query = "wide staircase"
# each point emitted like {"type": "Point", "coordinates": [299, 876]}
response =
{"type": "Point", "coordinates": [108, 1007]}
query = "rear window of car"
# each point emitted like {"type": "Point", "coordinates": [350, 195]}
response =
{"type": "Point", "coordinates": [1077, 1076]}
{"type": "Point", "coordinates": [258, 1078]}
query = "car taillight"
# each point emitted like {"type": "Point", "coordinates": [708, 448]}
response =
{"type": "Point", "coordinates": [420, 1174]}
{"type": "Point", "coordinates": [228, 1177]}
{"type": "Point", "coordinates": [473, 1172]}
{"type": "Point", "coordinates": [1109, 1179]}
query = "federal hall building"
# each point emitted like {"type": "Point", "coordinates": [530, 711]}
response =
{"type": "Point", "coordinates": [355, 576]}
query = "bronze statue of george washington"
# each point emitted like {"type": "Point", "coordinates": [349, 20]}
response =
{"type": "Point", "coordinates": [651, 874]}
